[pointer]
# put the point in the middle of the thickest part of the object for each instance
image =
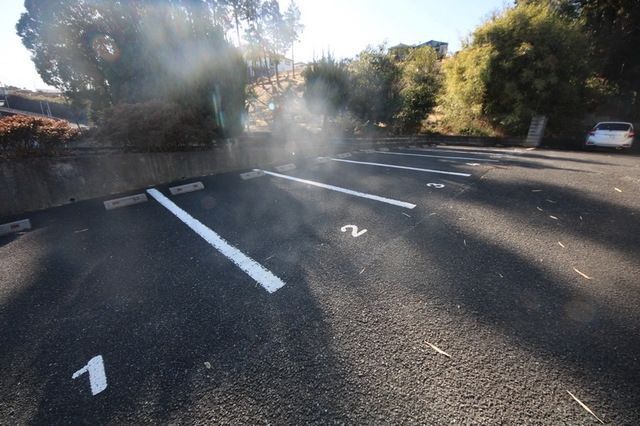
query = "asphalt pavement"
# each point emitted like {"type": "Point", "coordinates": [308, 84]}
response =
{"type": "Point", "coordinates": [424, 285]}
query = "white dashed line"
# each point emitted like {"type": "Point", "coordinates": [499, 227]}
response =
{"type": "Point", "coordinates": [256, 271]}
{"type": "Point", "coordinates": [345, 191]}
{"type": "Point", "coordinates": [403, 167]}
{"type": "Point", "coordinates": [439, 156]}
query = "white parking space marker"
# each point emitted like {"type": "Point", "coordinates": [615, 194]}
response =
{"type": "Point", "coordinates": [354, 230]}
{"type": "Point", "coordinates": [286, 167]}
{"type": "Point", "coordinates": [446, 157]}
{"type": "Point", "coordinates": [435, 185]}
{"type": "Point", "coordinates": [452, 151]}
{"type": "Point", "coordinates": [403, 167]}
{"type": "Point", "coordinates": [125, 201]}
{"type": "Point", "coordinates": [256, 271]}
{"type": "Point", "coordinates": [472, 164]}
{"type": "Point", "coordinates": [189, 187]}
{"type": "Point", "coordinates": [251, 175]}
{"type": "Point", "coordinates": [345, 191]}
{"type": "Point", "coordinates": [17, 226]}
{"type": "Point", "coordinates": [97, 376]}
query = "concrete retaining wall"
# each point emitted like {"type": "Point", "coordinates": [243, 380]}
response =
{"type": "Point", "coordinates": [38, 183]}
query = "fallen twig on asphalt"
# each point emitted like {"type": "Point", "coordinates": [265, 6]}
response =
{"type": "Point", "coordinates": [539, 208]}
{"type": "Point", "coordinates": [437, 349]}
{"type": "Point", "coordinates": [583, 274]}
{"type": "Point", "coordinates": [553, 217]}
{"type": "Point", "coordinates": [587, 409]}
{"type": "Point", "coordinates": [561, 245]}
{"type": "Point", "coordinates": [618, 189]}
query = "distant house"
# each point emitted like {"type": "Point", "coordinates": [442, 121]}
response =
{"type": "Point", "coordinates": [259, 66]}
{"type": "Point", "coordinates": [401, 50]}
{"type": "Point", "coordinates": [440, 47]}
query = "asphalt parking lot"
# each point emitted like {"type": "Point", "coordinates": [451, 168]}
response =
{"type": "Point", "coordinates": [431, 285]}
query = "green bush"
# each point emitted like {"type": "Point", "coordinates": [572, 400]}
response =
{"type": "Point", "coordinates": [326, 84]}
{"type": "Point", "coordinates": [375, 86]}
{"type": "Point", "coordinates": [420, 85]}
{"type": "Point", "coordinates": [23, 136]}
{"type": "Point", "coordinates": [526, 61]}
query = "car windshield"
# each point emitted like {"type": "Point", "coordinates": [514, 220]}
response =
{"type": "Point", "coordinates": [619, 127]}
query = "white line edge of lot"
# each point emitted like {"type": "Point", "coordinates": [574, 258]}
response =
{"type": "Point", "coordinates": [345, 190]}
{"type": "Point", "coordinates": [367, 163]}
{"type": "Point", "coordinates": [445, 157]}
{"type": "Point", "coordinates": [460, 150]}
{"type": "Point", "coordinates": [259, 273]}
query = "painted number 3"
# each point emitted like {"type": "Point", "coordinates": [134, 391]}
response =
{"type": "Point", "coordinates": [435, 185]}
{"type": "Point", "coordinates": [354, 230]}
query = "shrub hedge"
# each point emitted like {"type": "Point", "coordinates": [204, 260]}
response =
{"type": "Point", "coordinates": [23, 136]}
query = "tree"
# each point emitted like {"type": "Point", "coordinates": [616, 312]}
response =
{"type": "Point", "coordinates": [375, 86]}
{"type": "Point", "coordinates": [614, 37]}
{"type": "Point", "coordinates": [326, 84]}
{"type": "Point", "coordinates": [529, 60]}
{"type": "Point", "coordinates": [614, 28]}
{"type": "Point", "coordinates": [420, 85]}
{"type": "Point", "coordinates": [293, 28]}
{"type": "Point", "coordinates": [106, 53]}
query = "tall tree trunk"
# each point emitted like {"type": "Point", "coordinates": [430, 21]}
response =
{"type": "Point", "coordinates": [293, 64]}
{"type": "Point", "coordinates": [277, 75]}
{"type": "Point", "coordinates": [235, 16]}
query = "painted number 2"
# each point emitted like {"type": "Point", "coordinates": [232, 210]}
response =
{"type": "Point", "coordinates": [97, 377]}
{"type": "Point", "coordinates": [354, 230]}
{"type": "Point", "coordinates": [435, 185]}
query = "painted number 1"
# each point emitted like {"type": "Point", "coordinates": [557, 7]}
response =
{"type": "Point", "coordinates": [97, 377]}
{"type": "Point", "coordinates": [354, 230]}
{"type": "Point", "coordinates": [435, 185]}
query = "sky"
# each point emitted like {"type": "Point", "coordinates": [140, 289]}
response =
{"type": "Point", "coordinates": [344, 27]}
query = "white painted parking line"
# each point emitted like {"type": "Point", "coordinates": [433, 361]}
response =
{"type": "Point", "coordinates": [345, 191]}
{"type": "Point", "coordinates": [256, 271]}
{"type": "Point", "coordinates": [366, 163]}
{"type": "Point", "coordinates": [439, 156]}
{"type": "Point", "coordinates": [17, 226]}
{"type": "Point", "coordinates": [189, 187]}
{"type": "Point", "coordinates": [456, 151]}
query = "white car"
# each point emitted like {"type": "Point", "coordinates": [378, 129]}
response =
{"type": "Point", "coordinates": [611, 134]}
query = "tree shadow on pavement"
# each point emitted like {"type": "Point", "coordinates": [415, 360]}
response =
{"type": "Point", "coordinates": [541, 311]}
{"type": "Point", "coordinates": [603, 222]}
